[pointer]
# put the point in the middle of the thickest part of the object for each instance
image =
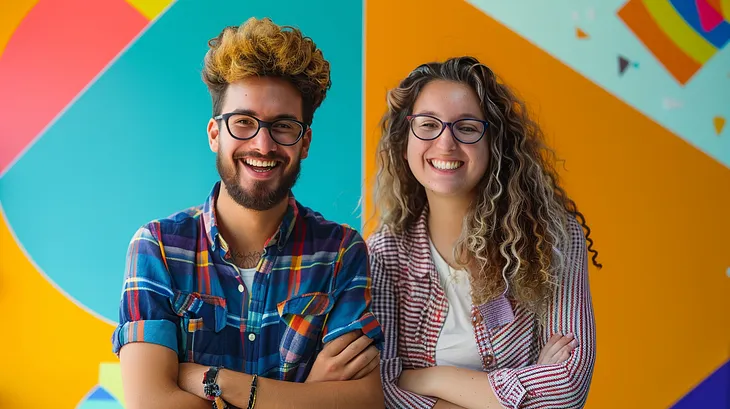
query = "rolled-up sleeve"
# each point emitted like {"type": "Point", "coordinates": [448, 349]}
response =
{"type": "Point", "coordinates": [352, 307]}
{"type": "Point", "coordinates": [563, 385]}
{"type": "Point", "coordinates": [385, 307]}
{"type": "Point", "coordinates": [145, 312]}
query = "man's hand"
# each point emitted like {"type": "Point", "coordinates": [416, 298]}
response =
{"type": "Point", "coordinates": [348, 357]}
{"type": "Point", "coordinates": [557, 349]}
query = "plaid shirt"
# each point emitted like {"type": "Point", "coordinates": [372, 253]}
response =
{"type": "Point", "coordinates": [182, 291]}
{"type": "Point", "coordinates": [411, 305]}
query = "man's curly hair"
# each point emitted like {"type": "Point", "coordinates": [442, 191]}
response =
{"type": "Point", "coordinates": [262, 48]}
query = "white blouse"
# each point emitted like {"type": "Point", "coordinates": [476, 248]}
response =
{"type": "Point", "coordinates": [456, 345]}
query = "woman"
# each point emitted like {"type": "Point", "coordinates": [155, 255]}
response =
{"type": "Point", "coordinates": [479, 265]}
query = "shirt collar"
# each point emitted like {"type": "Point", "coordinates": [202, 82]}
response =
{"type": "Point", "coordinates": [495, 312]}
{"type": "Point", "coordinates": [280, 237]}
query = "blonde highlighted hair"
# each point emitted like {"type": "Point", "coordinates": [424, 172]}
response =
{"type": "Point", "coordinates": [262, 48]}
{"type": "Point", "coordinates": [520, 213]}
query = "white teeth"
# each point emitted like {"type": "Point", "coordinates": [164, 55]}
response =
{"type": "Point", "coordinates": [260, 163]}
{"type": "Point", "coordinates": [446, 164]}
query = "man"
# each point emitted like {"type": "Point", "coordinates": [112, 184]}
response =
{"type": "Point", "coordinates": [232, 301]}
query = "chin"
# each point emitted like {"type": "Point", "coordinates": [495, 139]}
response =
{"type": "Point", "coordinates": [448, 192]}
{"type": "Point", "coordinates": [259, 190]}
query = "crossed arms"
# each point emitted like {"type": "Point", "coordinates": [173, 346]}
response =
{"type": "Point", "coordinates": [559, 380]}
{"type": "Point", "coordinates": [345, 374]}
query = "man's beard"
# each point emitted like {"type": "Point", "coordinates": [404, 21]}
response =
{"type": "Point", "coordinates": [260, 197]}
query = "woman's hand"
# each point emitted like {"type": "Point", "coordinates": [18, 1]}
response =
{"type": "Point", "coordinates": [557, 349]}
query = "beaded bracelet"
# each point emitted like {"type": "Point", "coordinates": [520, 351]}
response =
{"type": "Point", "coordinates": [252, 396]}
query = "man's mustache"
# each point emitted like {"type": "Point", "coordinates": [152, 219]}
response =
{"type": "Point", "coordinates": [256, 155]}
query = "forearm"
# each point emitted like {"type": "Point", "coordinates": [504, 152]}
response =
{"type": "Point", "coordinates": [442, 404]}
{"type": "Point", "coordinates": [462, 387]}
{"type": "Point", "coordinates": [150, 379]}
{"type": "Point", "coordinates": [363, 393]}
{"type": "Point", "coordinates": [533, 386]}
{"type": "Point", "coordinates": [173, 398]}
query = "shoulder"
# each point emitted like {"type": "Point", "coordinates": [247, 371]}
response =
{"type": "Point", "coordinates": [576, 246]}
{"type": "Point", "coordinates": [394, 250]}
{"type": "Point", "coordinates": [326, 233]}
{"type": "Point", "coordinates": [384, 242]}
{"type": "Point", "coordinates": [571, 261]}
{"type": "Point", "coordinates": [184, 223]}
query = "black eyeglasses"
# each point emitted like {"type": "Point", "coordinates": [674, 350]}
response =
{"type": "Point", "coordinates": [243, 127]}
{"type": "Point", "coordinates": [467, 130]}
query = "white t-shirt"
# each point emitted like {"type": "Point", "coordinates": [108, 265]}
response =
{"type": "Point", "coordinates": [456, 345]}
{"type": "Point", "coordinates": [248, 274]}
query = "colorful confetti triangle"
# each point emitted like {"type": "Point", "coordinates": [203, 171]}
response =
{"type": "Point", "coordinates": [719, 123]}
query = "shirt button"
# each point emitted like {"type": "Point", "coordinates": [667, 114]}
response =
{"type": "Point", "coordinates": [487, 359]}
{"type": "Point", "coordinates": [251, 337]}
{"type": "Point", "coordinates": [240, 288]}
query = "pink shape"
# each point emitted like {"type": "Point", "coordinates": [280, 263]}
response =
{"type": "Point", "coordinates": [709, 17]}
{"type": "Point", "coordinates": [58, 48]}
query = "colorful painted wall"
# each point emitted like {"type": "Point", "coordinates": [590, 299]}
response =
{"type": "Point", "coordinates": [102, 128]}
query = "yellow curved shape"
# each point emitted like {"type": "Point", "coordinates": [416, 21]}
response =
{"type": "Point", "coordinates": [150, 8]}
{"type": "Point", "coordinates": [681, 33]}
{"type": "Point", "coordinates": [11, 14]}
{"type": "Point", "coordinates": [82, 339]}
{"type": "Point", "coordinates": [725, 9]}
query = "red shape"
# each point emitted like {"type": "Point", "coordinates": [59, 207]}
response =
{"type": "Point", "coordinates": [58, 48]}
{"type": "Point", "coordinates": [709, 16]}
{"type": "Point", "coordinates": [715, 4]}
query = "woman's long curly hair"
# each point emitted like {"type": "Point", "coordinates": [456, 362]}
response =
{"type": "Point", "coordinates": [520, 214]}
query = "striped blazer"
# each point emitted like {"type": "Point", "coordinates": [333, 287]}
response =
{"type": "Point", "coordinates": [411, 306]}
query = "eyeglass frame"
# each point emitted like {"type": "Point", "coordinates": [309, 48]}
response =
{"type": "Point", "coordinates": [449, 125]}
{"type": "Point", "coordinates": [261, 124]}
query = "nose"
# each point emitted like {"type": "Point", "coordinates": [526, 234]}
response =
{"type": "Point", "coordinates": [446, 140]}
{"type": "Point", "coordinates": [263, 142]}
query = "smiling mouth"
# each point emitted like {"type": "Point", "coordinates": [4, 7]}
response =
{"type": "Point", "coordinates": [260, 166]}
{"type": "Point", "coordinates": [446, 164]}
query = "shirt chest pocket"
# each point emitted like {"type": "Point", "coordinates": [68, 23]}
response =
{"type": "Point", "coordinates": [202, 321]}
{"type": "Point", "coordinates": [303, 319]}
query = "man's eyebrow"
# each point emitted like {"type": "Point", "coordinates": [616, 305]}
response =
{"type": "Point", "coordinates": [251, 112]}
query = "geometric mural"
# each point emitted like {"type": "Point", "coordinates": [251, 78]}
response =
{"type": "Point", "coordinates": [102, 128]}
{"type": "Point", "coordinates": [643, 160]}
{"type": "Point", "coordinates": [103, 116]}
{"type": "Point", "coordinates": [675, 51]}
{"type": "Point", "coordinates": [62, 36]}
{"type": "Point", "coordinates": [713, 392]}
{"type": "Point", "coordinates": [124, 136]}
{"type": "Point", "coordinates": [682, 35]}
{"type": "Point", "coordinates": [108, 394]}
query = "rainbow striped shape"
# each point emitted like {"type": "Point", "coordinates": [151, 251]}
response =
{"type": "Point", "coordinates": [682, 34]}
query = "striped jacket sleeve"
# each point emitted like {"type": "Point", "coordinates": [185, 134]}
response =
{"type": "Point", "coordinates": [385, 307]}
{"type": "Point", "coordinates": [563, 385]}
{"type": "Point", "coordinates": [145, 312]}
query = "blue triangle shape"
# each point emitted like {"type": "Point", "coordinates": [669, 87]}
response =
{"type": "Point", "coordinates": [101, 394]}
{"type": "Point", "coordinates": [711, 393]}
